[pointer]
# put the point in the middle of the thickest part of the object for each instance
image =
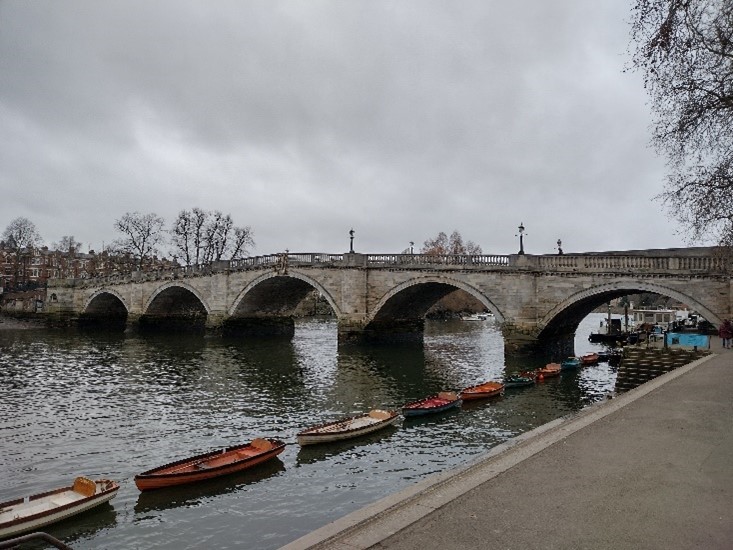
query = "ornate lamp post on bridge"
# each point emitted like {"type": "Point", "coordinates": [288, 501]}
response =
{"type": "Point", "coordinates": [351, 241]}
{"type": "Point", "coordinates": [559, 247]}
{"type": "Point", "coordinates": [521, 238]}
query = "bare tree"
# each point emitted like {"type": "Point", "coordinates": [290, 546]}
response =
{"type": "Point", "coordinates": [443, 245]}
{"type": "Point", "coordinates": [22, 237]}
{"type": "Point", "coordinates": [187, 235]}
{"type": "Point", "coordinates": [243, 239]}
{"type": "Point", "coordinates": [204, 236]}
{"type": "Point", "coordinates": [67, 243]}
{"type": "Point", "coordinates": [684, 49]}
{"type": "Point", "coordinates": [217, 236]}
{"type": "Point", "coordinates": [142, 234]}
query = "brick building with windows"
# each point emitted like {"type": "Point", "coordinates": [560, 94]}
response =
{"type": "Point", "coordinates": [23, 276]}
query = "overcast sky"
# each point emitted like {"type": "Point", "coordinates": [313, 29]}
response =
{"type": "Point", "coordinates": [305, 118]}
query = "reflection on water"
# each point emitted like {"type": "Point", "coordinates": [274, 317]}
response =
{"type": "Point", "coordinates": [192, 495]}
{"type": "Point", "coordinates": [113, 406]}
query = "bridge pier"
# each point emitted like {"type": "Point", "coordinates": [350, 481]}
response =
{"type": "Point", "coordinates": [259, 326]}
{"type": "Point", "coordinates": [385, 331]}
{"type": "Point", "coordinates": [168, 322]}
{"type": "Point", "coordinates": [520, 339]}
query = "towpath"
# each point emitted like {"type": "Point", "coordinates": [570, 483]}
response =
{"type": "Point", "coordinates": [649, 469]}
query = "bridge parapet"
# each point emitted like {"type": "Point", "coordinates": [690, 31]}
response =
{"type": "Point", "coordinates": [481, 260]}
{"type": "Point", "coordinates": [582, 263]}
{"type": "Point", "coordinates": [653, 264]}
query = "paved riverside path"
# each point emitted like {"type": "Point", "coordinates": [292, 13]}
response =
{"type": "Point", "coordinates": [651, 468]}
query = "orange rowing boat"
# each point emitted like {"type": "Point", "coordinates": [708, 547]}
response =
{"type": "Point", "coordinates": [549, 370]}
{"type": "Point", "coordinates": [210, 465]}
{"type": "Point", "coordinates": [482, 391]}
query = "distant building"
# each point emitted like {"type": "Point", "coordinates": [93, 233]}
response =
{"type": "Point", "coordinates": [32, 268]}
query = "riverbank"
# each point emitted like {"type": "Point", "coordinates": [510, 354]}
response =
{"type": "Point", "coordinates": [648, 469]}
{"type": "Point", "coordinates": [8, 322]}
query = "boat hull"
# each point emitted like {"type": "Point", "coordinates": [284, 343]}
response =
{"type": "Point", "coordinates": [570, 364]}
{"type": "Point", "coordinates": [208, 466]}
{"type": "Point", "coordinates": [348, 428]}
{"type": "Point", "coordinates": [21, 515]}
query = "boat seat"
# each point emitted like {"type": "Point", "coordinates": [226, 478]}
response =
{"type": "Point", "coordinates": [379, 414]}
{"type": "Point", "coordinates": [261, 444]}
{"type": "Point", "coordinates": [447, 395]}
{"type": "Point", "coordinates": [84, 486]}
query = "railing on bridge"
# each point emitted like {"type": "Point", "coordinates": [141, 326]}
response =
{"type": "Point", "coordinates": [377, 260]}
{"type": "Point", "coordinates": [632, 263]}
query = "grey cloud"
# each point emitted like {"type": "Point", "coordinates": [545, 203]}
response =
{"type": "Point", "coordinates": [303, 119]}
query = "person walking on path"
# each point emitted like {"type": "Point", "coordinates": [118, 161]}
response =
{"type": "Point", "coordinates": [726, 333]}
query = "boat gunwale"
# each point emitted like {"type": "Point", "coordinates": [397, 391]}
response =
{"type": "Point", "coordinates": [110, 491]}
{"type": "Point", "coordinates": [156, 473]}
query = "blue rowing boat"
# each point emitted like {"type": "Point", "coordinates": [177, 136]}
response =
{"type": "Point", "coordinates": [433, 404]}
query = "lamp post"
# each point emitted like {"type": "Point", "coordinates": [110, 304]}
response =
{"type": "Point", "coordinates": [412, 243]}
{"type": "Point", "coordinates": [521, 238]}
{"type": "Point", "coordinates": [351, 241]}
{"type": "Point", "coordinates": [559, 247]}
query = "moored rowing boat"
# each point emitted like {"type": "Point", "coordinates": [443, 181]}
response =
{"type": "Point", "coordinates": [210, 465]}
{"type": "Point", "coordinates": [549, 370]}
{"type": "Point", "coordinates": [570, 363]}
{"type": "Point", "coordinates": [482, 391]}
{"type": "Point", "coordinates": [519, 380]}
{"type": "Point", "coordinates": [348, 428]}
{"type": "Point", "coordinates": [434, 404]}
{"type": "Point", "coordinates": [36, 511]}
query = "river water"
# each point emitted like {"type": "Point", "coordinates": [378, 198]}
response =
{"type": "Point", "coordinates": [113, 406]}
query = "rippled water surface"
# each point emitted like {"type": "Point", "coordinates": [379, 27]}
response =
{"type": "Point", "coordinates": [113, 406]}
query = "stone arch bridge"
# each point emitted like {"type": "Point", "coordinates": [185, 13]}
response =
{"type": "Point", "coordinates": [537, 299]}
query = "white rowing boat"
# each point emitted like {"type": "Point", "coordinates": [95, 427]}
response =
{"type": "Point", "coordinates": [36, 511]}
{"type": "Point", "coordinates": [347, 428]}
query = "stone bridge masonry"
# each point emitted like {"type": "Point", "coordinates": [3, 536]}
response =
{"type": "Point", "coordinates": [536, 299]}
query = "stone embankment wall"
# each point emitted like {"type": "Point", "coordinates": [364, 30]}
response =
{"type": "Point", "coordinates": [640, 365]}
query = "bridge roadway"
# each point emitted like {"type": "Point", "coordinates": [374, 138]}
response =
{"type": "Point", "coordinates": [649, 469]}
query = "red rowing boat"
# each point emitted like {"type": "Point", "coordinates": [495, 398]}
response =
{"type": "Point", "coordinates": [210, 465]}
{"type": "Point", "coordinates": [549, 370]}
{"type": "Point", "coordinates": [482, 391]}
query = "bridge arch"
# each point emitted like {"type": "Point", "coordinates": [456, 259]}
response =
{"type": "Point", "coordinates": [603, 293]}
{"type": "Point", "coordinates": [399, 315]}
{"type": "Point", "coordinates": [175, 287]}
{"type": "Point", "coordinates": [175, 307]}
{"type": "Point", "coordinates": [266, 306]}
{"type": "Point", "coordinates": [557, 328]}
{"type": "Point", "coordinates": [436, 286]}
{"type": "Point", "coordinates": [104, 294]}
{"type": "Point", "coordinates": [105, 309]}
{"type": "Point", "coordinates": [279, 281]}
